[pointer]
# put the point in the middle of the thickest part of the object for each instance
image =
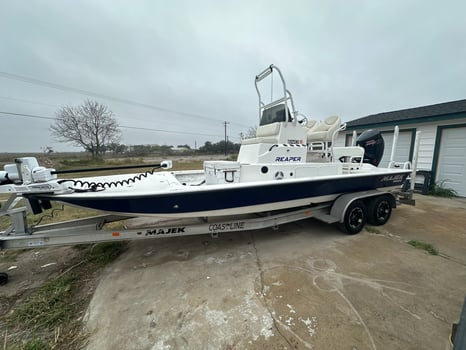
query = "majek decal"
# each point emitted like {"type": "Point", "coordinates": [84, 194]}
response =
{"type": "Point", "coordinates": [392, 178]}
{"type": "Point", "coordinates": [165, 231]}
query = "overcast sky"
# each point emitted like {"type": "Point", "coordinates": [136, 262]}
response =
{"type": "Point", "coordinates": [187, 66]}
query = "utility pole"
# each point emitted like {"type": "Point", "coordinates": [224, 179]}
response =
{"type": "Point", "coordinates": [225, 123]}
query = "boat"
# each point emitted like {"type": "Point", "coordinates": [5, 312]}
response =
{"type": "Point", "coordinates": [292, 162]}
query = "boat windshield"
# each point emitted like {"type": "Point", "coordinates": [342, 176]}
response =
{"type": "Point", "coordinates": [274, 114]}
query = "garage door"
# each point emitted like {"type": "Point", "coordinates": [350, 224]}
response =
{"type": "Point", "coordinates": [402, 149]}
{"type": "Point", "coordinates": [451, 167]}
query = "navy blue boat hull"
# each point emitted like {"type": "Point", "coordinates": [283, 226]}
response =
{"type": "Point", "coordinates": [219, 200]}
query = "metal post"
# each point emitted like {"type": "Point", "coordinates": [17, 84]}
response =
{"type": "Point", "coordinates": [355, 136]}
{"type": "Point", "coordinates": [416, 151]}
{"type": "Point", "coordinates": [225, 124]}
{"type": "Point", "coordinates": [395, 141]}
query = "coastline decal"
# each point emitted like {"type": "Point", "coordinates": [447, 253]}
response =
{"type": "Point", "coordinates": [230, 226]}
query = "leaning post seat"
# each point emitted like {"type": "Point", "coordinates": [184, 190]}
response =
{"type": "Point", "coordinates": [321, 137]}
{"type": "Point", "coordinates": [274, 128]}
{"type": "Point", "coordinates": [311, 125]}
{"type": "Point", "coordinates": [265, 134]}
{"type": "Point", "coordinates": [324, 131]}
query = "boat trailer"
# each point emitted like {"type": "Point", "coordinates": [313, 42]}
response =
{"type": "Point", "coordinates": [350, 210]}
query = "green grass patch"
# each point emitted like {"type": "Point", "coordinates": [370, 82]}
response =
{"type": "Point", "coordinates": [10, 255]}
{"type": "Point", "coordinates": [50, 306]}
{"type": "Point", "coordinates": [424, 246]}
{"type": "Point", "coordinates": [104, 253]}
{"type": "Point", "coordinates": [71, 163]}
{"type": "Point", "coordinates": [81, 162]}
{"type": "Point", "coordinates": [191, 164]}
{"type": "Point", "coordinates": [59, 303]}
{"type": "Point", "coordinates": [372, 229]}
{"type": "Point", "coordinates": [58, 213]}
{"type": "Point", "coordinates": [53, 304]}
{"type": "Point", "coordinates": [35, 344]}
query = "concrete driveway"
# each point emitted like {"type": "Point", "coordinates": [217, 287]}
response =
{"type": "Point", "coordinates": [304, 286]}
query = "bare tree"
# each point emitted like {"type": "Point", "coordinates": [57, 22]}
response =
{"type": "Point", "coordinates": [90, 126]}
{"type": "Point", "coordinates": [250, 133]}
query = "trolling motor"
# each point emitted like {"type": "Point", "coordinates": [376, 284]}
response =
{"type": "Point", "coordinates": [373, 144]}
{"type": "Point", "coordinates": [25, 171]}
{"type": "Point", "coordinates": [27, 177]}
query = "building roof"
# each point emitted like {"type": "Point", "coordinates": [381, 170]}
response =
{"type": "Point", "coordinates": [414, 115]}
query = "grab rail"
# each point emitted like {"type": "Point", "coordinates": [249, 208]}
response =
{"type": "Point", "coordinates": [285, 98]}
{"type": "Point", "coordinates": [265, 73]}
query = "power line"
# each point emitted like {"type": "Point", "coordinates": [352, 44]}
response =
{"type": "Point", "coordinates": [121, 126]}
{"type": "Point", "coordinates": [28, 101]}
{"type": "Point", "coordinates": [167, 131]}
{"type": "Point", "coordinates": [28, 115]}
{"type": "Point", "coordinates": [61, 87]}
{"type": "Point", "coordinates": [50, 105]}
{"type": "Point", "coordinates": [94, 94]}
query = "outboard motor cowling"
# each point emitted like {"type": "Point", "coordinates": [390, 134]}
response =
{"type": "Point", "coordinates": [373, 144]}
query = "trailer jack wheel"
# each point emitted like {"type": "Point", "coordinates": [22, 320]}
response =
{"type": "Point", "coordinates": [379, 210]}
{"type": "Point", "coordinates": [354, 218]}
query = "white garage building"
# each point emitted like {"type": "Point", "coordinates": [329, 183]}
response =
{"type": "Point", "coordinates": [442, 151]}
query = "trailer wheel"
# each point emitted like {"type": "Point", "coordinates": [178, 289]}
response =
{"type": "Point", "coordinates": [379, 210]}
{"type": "Point", "coordinates": [354, 218]}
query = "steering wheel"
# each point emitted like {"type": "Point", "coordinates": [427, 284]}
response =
{"type": "Point", "coordinates": [302, 120]}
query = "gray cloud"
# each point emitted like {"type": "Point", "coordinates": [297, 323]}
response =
{"type": "Point", "coordinates": [348, 58]}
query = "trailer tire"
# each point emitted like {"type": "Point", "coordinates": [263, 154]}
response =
{"type": "Point", "coordinates": [379, 210]}
{"type": "Point", "coordinates": [354, 218]}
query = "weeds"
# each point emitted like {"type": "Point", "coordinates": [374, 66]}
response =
{"type": "Point", "coordinates": [59, 303]}
{"type": "Point", "coordinates": [424, 246]}
{"type": "Point", "coordinates": [104, 253]}
{"type": "Point", "coordinates": [59, 212]}
{"type": "Point", "coordinates": [372, 229]}
{"type": "Point", "coordinates": [438, 190]}
{"type": "Point", "coordinates": [49, 306]}
{"type": "Point", "coordinates": [90, 162]}
{"type": "Point", "coordinates": [187, 165]}
{"type": "Point", "coordinates": [65, 163]}
{"type": "Point", "coordinates": [10, 255]}
{"type": "Point", "coordinates": [36, 344]}
{"type": "Point", "coordinates": [50, 317]}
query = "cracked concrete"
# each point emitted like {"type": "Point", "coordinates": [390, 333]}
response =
{"type": "Point", "coordinates": [304, 286]}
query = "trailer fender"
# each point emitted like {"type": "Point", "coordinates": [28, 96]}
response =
{"type": "Point", "coordinates": [341, 204]}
